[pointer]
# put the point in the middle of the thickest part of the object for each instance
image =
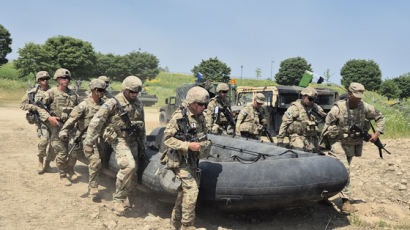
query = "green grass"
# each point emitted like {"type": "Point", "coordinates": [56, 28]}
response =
{"type": "Point", "coordinates": [165, 84]}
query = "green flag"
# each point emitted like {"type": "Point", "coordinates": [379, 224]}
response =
{"type": "Point", "coordinates": [306, 79]}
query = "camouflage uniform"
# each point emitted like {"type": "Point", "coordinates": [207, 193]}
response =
{"type": "Point", "coordinates": [300, 124]}
{"type": "Point", "coordinates": [82, 115]}
{"type": "Point", "coordinates": [345, 145]}
{"type": "Point", "coordinates": [250, 120]}
{"type": "Point", "coordinates": [126, 147]}
{"type": "Point", "coordinates": [61, 103]}
{"type": "Point", "coordinates": [184, 162]}
{"type": "Point", "coordinates": [43, 132]}
{"type": "Point", "coordinates": [216, 121]}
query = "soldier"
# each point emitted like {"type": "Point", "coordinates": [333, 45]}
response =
{"type": "Point", "coordinates": [36, 94]}
{"type": "Point", "coordinates": [60, 100]}
{"type": "Point", "coordinates": [251, 120]}
{"type": "Point", "coordinates": [107, 84]}
{"type": "Point", "coordinates": [121, 122]}
{"type": "Point", "coordinates": [300, 122]}
{"type": "Point", "coordinates": [216, 121]}
{"type": "Point", "coordinates": [183, 153]}
{"type": "Point", "coordinates": [345, 144]}
{"type": "Point", "coordinates": [82, 115]}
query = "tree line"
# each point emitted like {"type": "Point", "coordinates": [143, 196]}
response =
{"type": "Point", "coordinates": [84, 63]}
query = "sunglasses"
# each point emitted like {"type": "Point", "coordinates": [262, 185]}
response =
{"type": "Point", "coordinates": [65, 78]}
{"type": "Point", "coordinates": [100, 90]}
{"type": "Point", "coordinates": [201, 104]}
{"type": "Point", "coordinates": [44, 79]}
{"type": "Point", "coordinates": [224, 91]}
{"type": "Point", "coordinates": [311, 98]}
{"type": "Point", "coordinates": [134, 92]}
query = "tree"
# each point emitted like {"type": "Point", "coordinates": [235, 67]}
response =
{"type": "Point", "coordinates": [73, 54]}
{"type": "Point", "coordinates": [142, 64]}
{"type": "Point", "coordinates": [113, 66]}
{"type": "Point", "coordinates": [390, 89]}
{"type": "Point", "coordinates": [212, 70]}
{"type": "Point", "coordinates": [33, 58]}
{"type": "Point", "coordinates": [327, 75]}
{"type": "Point", "coordinates": [5, 44]}
{"type": "Point", "coordinates": [366, 72]}
{"type": "Point", "coordinates": [403, 82]}
{"type": "Point", "coordinates": [258, 73]}
{"type": "Point", "coordinates": [291, 71]}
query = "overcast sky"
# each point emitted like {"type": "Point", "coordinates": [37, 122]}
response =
{"type": "Point", "coordinates": [254, 34]}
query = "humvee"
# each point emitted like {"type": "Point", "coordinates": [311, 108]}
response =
{"type": "Point", "coordinates": [174, 102]}
{"type": "Point", "coordinates": [278, 99]}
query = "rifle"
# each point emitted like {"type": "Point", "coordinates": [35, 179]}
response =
{"type": "Point", "coordinates": [229, 117]}
{"type": "Point", "coordinates": [32, 101]}
{"type": "Point", "coordinates": [366, 137]}
{"type": "Point", "coordinates": [77, 141]}
{"type": "Point", "coordinates": [265, 130]}
{"type": "Point", "coordinates": [41, 105]}
{"type": "Point", "coordinates": [189, 134]}
{"type": "Point", "coordinates": [321, 118]}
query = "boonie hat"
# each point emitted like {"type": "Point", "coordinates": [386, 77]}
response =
{"type": "Point", "coordinates": [357, 89]}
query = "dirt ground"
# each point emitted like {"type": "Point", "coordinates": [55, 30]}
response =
{"type": "Point", "coordinates": [32, 201]}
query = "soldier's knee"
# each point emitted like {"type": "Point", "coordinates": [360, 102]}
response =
{"type": "Point", "coordinates": [95, 163]}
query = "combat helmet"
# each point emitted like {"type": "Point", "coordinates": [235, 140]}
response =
{"type": "Point", "coordinates": [197, 94]}
{"type": "Point", "coordinates": [309, 91]}
{"type": "Point", "coordinates": [222, 87]}
{"type": "Point", "coordinates": [62, 73]}
{"type": "Point", "coordinates": [42, 74]}
{"type": "Point", "coordinates": [132, 83]}
{"type": "Point", "coordinates": [105, 79]}
{"type": "Point", "coordinates": [97, 84]}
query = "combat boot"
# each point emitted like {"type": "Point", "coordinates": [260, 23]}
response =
{"type": "Point", "coordinates": [347, 207]}
{"type": "Point", "coordinates": [72, 176]}
{"type": "Point", "coordinates": [65, 181]}
{"type": "Point", "coordinates": [40, 169]}
{"type": "Point", "coordinates": [188, 227]}
{"type": "Point", "coordinates": [94, 194]}
{"type": "Point", "coordinates": [46, 166]}
{"type": "Point", "coordinates": [118, 208]}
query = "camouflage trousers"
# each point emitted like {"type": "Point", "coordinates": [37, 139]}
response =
{"type": "Point", "coordinates": [184, 208]}
{"type": "Point", "coordinates": [307, 143]}
{"type": "Point", "coordinates": [65, 164]}
{"type": "Point", "coordinates": [44, 144]}
{"type": "Point", "coordinates": [124, 153]}
{"type": "Point", "coordinates": [345, 150]}
{"type": "Point", "coordinates": [94, 166]}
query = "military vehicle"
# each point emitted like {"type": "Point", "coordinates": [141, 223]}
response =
{"type": "Point", "coordinates": [174, 102]}
{"type": "Point", "coordinates": [278, 99]}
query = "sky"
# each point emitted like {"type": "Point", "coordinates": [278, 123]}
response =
{"type": "Point", "coordinates": [253, 34]}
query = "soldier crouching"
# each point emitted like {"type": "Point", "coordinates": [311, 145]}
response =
{"type": "Point", "coordinates": [251, 120]}
{"type": "Point", "coordinates": [120, 120]}
{"type": "Point", "coordinates": [185, 137]}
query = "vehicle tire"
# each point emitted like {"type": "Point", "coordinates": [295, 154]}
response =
{"type": "Point", "coordinates": [162, 117]}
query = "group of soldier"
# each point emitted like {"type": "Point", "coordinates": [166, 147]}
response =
{"type": "Point", "coordinates": [118, 121]}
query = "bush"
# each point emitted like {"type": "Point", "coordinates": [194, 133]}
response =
{"type": "Point", "coordinates": [8, 71]}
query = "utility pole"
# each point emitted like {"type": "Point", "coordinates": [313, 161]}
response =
{"type": "Point", "coordinates": [271, 69]}
{"type": "Point", "coordinates": [241, 72]}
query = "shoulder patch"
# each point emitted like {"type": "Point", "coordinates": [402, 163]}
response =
{"type": "Point", "coordinates": [243, 112]}
{"type": "Point", "coordinates": [288, 114]}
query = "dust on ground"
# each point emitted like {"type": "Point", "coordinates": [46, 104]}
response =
{"type": "Point", "coordinates": [32, 201]}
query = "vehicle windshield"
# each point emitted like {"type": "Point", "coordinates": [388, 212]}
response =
{"type": "Point", "coordinates": [244, 98]}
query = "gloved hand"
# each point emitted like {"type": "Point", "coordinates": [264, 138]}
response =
{"type": "Point", "coordinates": [215, 129]}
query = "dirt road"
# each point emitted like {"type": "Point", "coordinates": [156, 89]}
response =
{"type": "Point", "coordinates": [32, 201]}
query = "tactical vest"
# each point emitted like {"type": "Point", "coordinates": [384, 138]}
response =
{"type": "Point", "coordinates": [134, 111]}
{"type": "Point", "coordinates": [350, 117]}
{"type": "Point", "coordinates": [304, 124]}
{"type": "Point", "coordinates": [63, 103]}
{"type": "Point", "coordinates": [91, 108]}
{"type": "Point", "coordinates": [218, 117]}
